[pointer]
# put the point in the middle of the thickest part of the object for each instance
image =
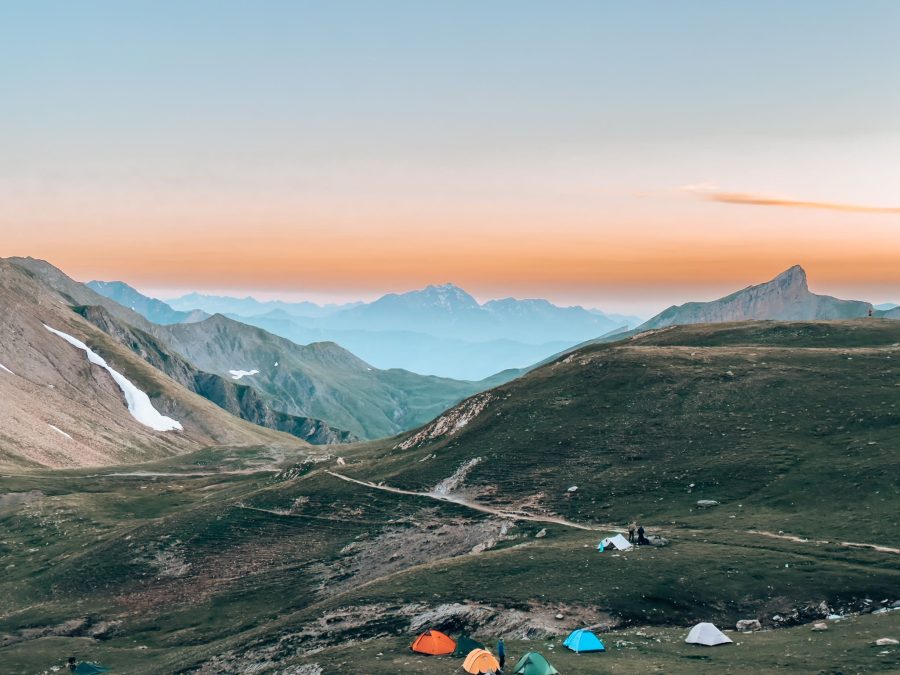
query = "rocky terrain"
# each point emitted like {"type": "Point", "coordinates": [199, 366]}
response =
{"type": "Point", "coordinates": [785, 298]}
{"type": "Point", "coordinates": [59, 409]}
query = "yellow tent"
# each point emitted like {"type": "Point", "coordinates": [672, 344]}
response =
{"type": "Point", "coordinates": [480, 661]}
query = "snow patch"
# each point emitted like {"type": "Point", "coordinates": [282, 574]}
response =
{"type": "Point", "coordinates": [139, 404]}
{"type": "Point", "coordinates": [4, 368]}
{"type": "Point", "coordinates": [59, 431]}
{"type": "Point", "coordinates": [238, 374]}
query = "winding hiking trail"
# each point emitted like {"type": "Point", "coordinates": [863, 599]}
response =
{"type": "Point", "coordinates": [801, 540]}
{"type": "Point", "coordinates": [512, 515]}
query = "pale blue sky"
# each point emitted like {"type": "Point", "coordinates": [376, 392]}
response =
{"type": "Point", "coordinates": [315, 114]}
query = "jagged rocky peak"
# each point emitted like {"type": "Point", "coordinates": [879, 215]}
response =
{"type": "Point", "coordinates": [792, 278]}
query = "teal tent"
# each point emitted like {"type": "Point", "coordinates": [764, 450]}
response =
{"type": "Point", "coordinates": [534, 664]}
{"type": "Point", "coordinates": [583, 640]}
{"type": "Point", "coordinates": [464, 645]}
{"type": "Point", "coordinates": [86, 668]}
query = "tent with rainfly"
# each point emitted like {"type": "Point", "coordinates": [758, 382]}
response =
{"type": "Point", "coordinates": [534, 664]}
{"type": "Point", "coordinates": [583, 641]}
{"type": "Point", "coordinates": [617, 541]}
{"type": "Point", "coordinates": [464, 645]}
{"type": "Point", "coordinates": [708, 635]}
{"type": "Point", "coordinates": [434, 643]}
{"type": "Point", "coordinates": [480, 661]}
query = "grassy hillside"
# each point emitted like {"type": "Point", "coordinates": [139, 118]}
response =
{"type": "Point", "coordinates": [231, 560]}
{"type": "Point", "coordinates": [789, 426]}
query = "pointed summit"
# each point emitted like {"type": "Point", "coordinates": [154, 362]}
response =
{"type": "Point", "coordinates": [785, 298]}
{"type": "Point", "coordinates": [793, 277]}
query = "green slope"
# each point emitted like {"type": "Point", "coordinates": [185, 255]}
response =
{"type": "Point", "coordinates": [246, 559]}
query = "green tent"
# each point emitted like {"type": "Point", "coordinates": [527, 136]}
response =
{"type": "Point", "coordinates": [465, 644]}
{"type": "Point", "coordinates": [86, 668]}
{"type": "Point", "coordinates": [534, 664]}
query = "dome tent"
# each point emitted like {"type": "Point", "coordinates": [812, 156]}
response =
{"type": "Point", "coordinates": [434, 643]}
{"type": "Point", "coordinates": [480, 661]}
{"type": "Point", "coordinates": [464, 645]}
{"type": "Point", "coordinates": [708, 635]}
{"type": "Point", "coordinates": [583, 641]}
{"type": "Point", "coordinates": [534, 664]}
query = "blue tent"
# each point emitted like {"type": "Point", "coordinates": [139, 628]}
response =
{"type": "Point", "coordinates": [583, 640]}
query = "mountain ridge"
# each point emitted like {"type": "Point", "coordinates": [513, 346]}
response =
{"type": "Point", "coordinates": [786, 297]}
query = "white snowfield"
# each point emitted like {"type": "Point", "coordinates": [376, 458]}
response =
{"type": "Point", "coordinates": [238, 374]}
{"type": "Point", "coordinates": [2, 367]}
{"type": "Point", "coordinates": [59, 431]}
{"type": "Point", "coordinates": [138, 402]}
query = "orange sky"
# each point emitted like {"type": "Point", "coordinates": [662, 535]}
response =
{"type": "Point", "coordinates": [619, 155]}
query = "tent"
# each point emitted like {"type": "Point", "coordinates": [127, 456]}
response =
{"type": "Point", "coordinates": [617, 541]}
{"type": "Point", "coordinates": [433, 642]}
{"type": "Point", "coordinates": [706, 634]}
{"type": "Point", "coordinates": [87, 668]}
{"type": "Point", "coordinates": [480, 661]}
{"type": "Point", "coordinates": [534, 664]}
{"type": "Point", "coordinates": [465, 644]}
{"type": "Point", "coordinates": [582, 641]}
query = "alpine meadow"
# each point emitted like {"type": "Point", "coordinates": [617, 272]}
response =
{"type": "Point", "coordinates": [510, 338]}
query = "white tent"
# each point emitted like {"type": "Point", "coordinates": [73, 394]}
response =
{"type": "Point", "coordinates": [706, 634]}
{"type": "Point", "coordinates": [617, 541]}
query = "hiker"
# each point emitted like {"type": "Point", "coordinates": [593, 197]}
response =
{"type": "Point", "coordinates": [631, 529]}
{"type": "Point", "coordinates": [641, 539]}
{"type": "Point", "coordinates": [501, 653]}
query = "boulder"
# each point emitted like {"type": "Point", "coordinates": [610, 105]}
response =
{"type": "Point", "coordinates": [656, 540]}
{"type": "Point", "coordinates": [886, 642]}
{"type": "Point", "coordinates": [819, 626]}
{"type": "Point", "coordinates": [706, 503]}
{"type": "Point", "coordinates": [747, 625]}
{"type": "Point", "coordinates": [541, 534]}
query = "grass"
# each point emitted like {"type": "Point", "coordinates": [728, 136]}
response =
{"type": "Point", "coordinates": [228, 557]}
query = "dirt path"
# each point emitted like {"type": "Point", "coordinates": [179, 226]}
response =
{"type": "Point", "coordinates": [513, 515]}
{"type": "Point", "coordinates": [453, 499]}
{"type": "Point", "coordinates": [801, 540]}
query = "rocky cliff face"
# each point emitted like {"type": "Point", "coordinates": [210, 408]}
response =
{"type": "Point", "coordinates": [786, 298]}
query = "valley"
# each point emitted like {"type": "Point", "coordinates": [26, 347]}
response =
{"type": "Point", "coordinates": [330, 559]}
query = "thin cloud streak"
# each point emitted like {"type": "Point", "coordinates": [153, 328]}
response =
{"type": "Point", "coordinates": [713, 194]}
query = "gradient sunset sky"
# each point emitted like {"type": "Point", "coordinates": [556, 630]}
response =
{"type": "Point", "coordinates": [625, 155]}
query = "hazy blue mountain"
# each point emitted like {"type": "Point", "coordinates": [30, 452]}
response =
{"type": "Point", "coordinates": [418, 352]}
{"type": "Point", "coordinates": [223, 304]}
{"type": "Point", "coordinates": [438, 330]}
{"type": "Point", "coordinates": [887, 306]}
{"type": "Point", "coordinates": [151, 309]}
{"type": "Point", "coordinates": [449, 312]}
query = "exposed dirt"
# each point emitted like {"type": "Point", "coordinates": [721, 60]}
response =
{"type": "Point", "coordinates": [401, 547]}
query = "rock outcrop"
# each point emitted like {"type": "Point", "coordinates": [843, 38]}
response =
{"type": "Point", "coordinates": [785, 298]}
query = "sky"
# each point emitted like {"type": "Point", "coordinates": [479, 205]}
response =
{"type": "Point", "coordinates": [625, 155]}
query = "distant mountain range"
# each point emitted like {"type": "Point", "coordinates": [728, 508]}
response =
{"type": "Point", "coordinates": [438, 330]}
{"type": "Point", "coordinates": [223, 304]}
{"type": "Point", "coordinates": [151, 309]}
{"type": "Point", "coordinates": [320, 392]}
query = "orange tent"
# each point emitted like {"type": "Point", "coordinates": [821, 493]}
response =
{"type": "Point", "coordinates": [433, 642]}
{"type": "Point", "coordinates": [480, 661]}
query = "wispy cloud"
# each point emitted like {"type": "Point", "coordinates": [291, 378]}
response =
{"type": "Point", "coordinates": [711, 192]}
